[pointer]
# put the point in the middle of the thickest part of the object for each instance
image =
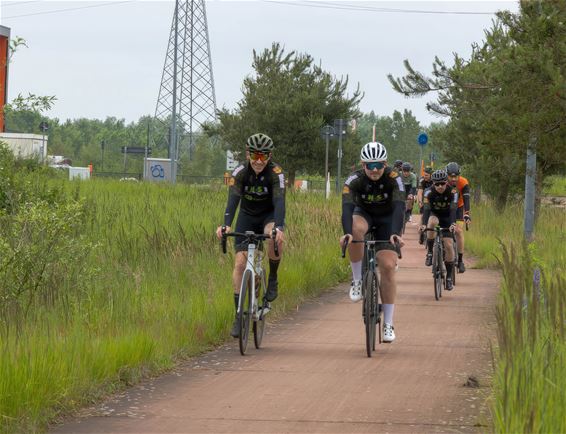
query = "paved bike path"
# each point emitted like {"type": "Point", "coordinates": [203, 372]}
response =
{"type": "Point", "coordinates": [313, 374]}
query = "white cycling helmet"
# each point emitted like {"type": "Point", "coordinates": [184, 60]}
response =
{"type": "Point", "coordinates": [373, 151]}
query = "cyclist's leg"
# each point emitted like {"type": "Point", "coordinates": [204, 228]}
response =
{"type": "Point", "coordinates": [432, 222]}
{"type": "Point", "coordinates": [274, 261]}
{"type": "Point", "coordinates": [459, 233]}
{"type": "Point", "coordinates": [448, 252]}
{"type": "Point", "coordinates": [361, 222]}
{"type": "Point", "coordinates": [387, 259]}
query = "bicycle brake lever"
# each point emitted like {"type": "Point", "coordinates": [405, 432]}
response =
{"type": "Point", "coordinates": [223, 240]}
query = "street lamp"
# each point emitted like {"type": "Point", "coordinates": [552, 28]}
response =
{"type": "Point", "coordinates": [43, 126]}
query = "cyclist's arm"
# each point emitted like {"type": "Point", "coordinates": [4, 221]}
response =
{"type": "Point", "coordinates": [348, 203]}
{"type": "Point", "coordinates": [278, 186]}
{"type": "Point", "coordinates": [413, 184]}
{"type": "Point", "coordinates": [466, 197]}
{"type": "Point", "coordinates": [453, 207]}
{"type": "Point", "coordinates": [426, 208]}
{"type": "Point", "coordinates": [398, 206]}
{"type": "Point", "coordinates": [234, 195]}
{"type": "Point", "coordinates": [420, 196]}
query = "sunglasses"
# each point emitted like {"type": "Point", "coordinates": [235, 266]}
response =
{"type": "Point", "coordinates": [375, 165]}
{"type": "Point", "coordinates": [261, 156]}
{"type": "Point", "coordinates": [439, 184]}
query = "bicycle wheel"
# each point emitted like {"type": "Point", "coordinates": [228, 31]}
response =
{"type": "Point", "coordinates": [245, 310]}
{"type": "Point", "coordinates": [259, 323]}
{"type": "Point", "coordinates": [437, 270]}
{"type": "Point", "coordinates": [368, 286]}
{"type": "Point", "coordinates": [376, 309]}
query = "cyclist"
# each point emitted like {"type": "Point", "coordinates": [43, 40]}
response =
{"type": "Point", "coordinates": [258, 186]}
{"type": "Point", "coordinates": [410, 182]}
{"type": "Point", "coordinates": [374, 197]}
{"type": "Point", "coordinates": [461, 185]}
{"type": "Point", "coordinates": [440, 205]}
{"type": "Point", "coordinates": [397, 166]}
{"type": "Point", "coordinates": [424, 183]}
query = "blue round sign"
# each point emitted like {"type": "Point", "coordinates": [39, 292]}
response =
{"type": "Point", "coordinates": [422, 139]}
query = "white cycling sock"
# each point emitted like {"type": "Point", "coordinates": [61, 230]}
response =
{"type": "Point", "coordinates": [388, 313]}
{"type": "Point", "coordinates": [356, 270]}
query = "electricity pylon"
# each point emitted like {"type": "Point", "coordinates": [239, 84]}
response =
{"type": "Point", "coordinates": [186, 96]}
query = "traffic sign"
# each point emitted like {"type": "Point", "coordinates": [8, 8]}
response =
{"type": "Point", "coordinates": [422, 139]}
{"type": "Point", "coordinates": [135, 150]}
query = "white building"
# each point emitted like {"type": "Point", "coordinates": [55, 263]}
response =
{"type": "Point", "coordinates": [25, 145]}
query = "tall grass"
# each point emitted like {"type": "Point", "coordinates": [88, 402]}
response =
{"type": "Point", "coordinates": [157, 288]}
{"type": "Point", "coordinates": [530, 375]}
{"type": "Point", "coordinates": [555, 186]}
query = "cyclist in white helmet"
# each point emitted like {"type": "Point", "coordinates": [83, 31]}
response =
{"type": "Point", "coordinates": [374, 197]}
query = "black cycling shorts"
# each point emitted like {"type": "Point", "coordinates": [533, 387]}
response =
{"type": "Point", "coordinates": [382, 227]}
{"type": "Point", "coordinates": [443, 222]}
{"type": "Point", "coordinates": [255, 223]}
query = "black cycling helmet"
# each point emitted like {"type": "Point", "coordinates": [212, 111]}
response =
{"type": "Point", "coordinates": [398, 163]}
{"type": "Point", "coordinates": [259, 142]}
{"type": "Point", "coordinates": [439, 176]}
{"type": "Point", "coordinates": [406, 166]}
{"type": "Point", "coordinates": [428, 170]}
{"type": "Point", "coordinates": [453, 168]}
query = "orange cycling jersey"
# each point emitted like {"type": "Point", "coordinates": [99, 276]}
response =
{"type": "Point", "coordinates": [460, 185]}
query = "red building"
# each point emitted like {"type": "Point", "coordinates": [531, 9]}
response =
{"type": "Point", "coordinates": [4, 49]}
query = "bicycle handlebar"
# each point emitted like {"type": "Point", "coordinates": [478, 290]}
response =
{"type": "Point", "coordinates": [250, 237]}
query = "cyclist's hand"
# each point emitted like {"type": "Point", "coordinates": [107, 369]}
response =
{"type": "Point", "coordinates": [398, 238]}
{"type": "Point", "coordinates": [410, 197]}
{"type": "Point", "coordinates": [467, 218]}
{"type": "Point", "coordinates": [343, 239]}
{"type": "Point", "coordinates": [219, 231]}
{"type": "Point", "coordinates": [422, 228]}
{"type": "Point", "coordinates": [452, 227]}
{"type": "Point", "coordinates": [279, 237]}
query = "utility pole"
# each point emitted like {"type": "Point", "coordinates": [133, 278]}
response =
{"type": "Point", "coordinates": [327, 132]}
{"type": "Point", "coordinates": [530, 190]}
{"type": "Point", "coordinates": [340, 127]}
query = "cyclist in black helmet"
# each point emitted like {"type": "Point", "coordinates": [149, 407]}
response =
{"type": "Point", "coordinates": [258, 186]}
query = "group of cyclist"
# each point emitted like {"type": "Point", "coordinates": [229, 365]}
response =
{"type": "Point", "coordinates": [376, 197]}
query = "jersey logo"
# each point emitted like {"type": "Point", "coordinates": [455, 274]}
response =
{"type": "Point", "coordinates": [237, 170]}
{"type": "Point", "coordinates": [281, 181]}
{"type": "Point", "coordinates": [277, 170]}
{"type": "Point", "coordinates": [393, 174]}
{"type": "Point", "coordinates": [351, 178]}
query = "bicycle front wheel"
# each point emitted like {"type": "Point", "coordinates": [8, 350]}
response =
{"type": "Point", "coordinates": [246, 310]}
{"type": "Point", "coordinates": [370, 309]}
{"type": "Point", "coordinates": [437, 271]}
{"type": "Point", "coordinates": [259, 323]}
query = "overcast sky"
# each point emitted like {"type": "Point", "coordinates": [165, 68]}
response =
{"type": "Point", "coordinates": [107, 60]}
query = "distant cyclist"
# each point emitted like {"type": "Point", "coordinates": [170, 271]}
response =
{"type": "Point", "coordinates": [258, 186]}
{"type": "Point", "coordinates": [374, 197]}
{"type": "Point", "coordinates": [424, 183]}
{"type": "Point", "coordinates": [397, 166]}
{"type": "Point", "coordinates": [440, 204]}
{"type": "Point", "coordinates": [461, 185]}
{"type": "Point", "coordinates": [410, 182]}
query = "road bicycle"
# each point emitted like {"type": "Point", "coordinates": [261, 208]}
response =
{"type": "Point", "coordinates": [371, 290]}
{"type": "Point", "coordinates": [438, 266]}
{"type": "Point", "coordinates": [252, 305]}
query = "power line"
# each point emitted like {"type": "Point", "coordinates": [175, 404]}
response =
{"type": "Point", "coordinates": [69, 9]}
{"type": "Point", "coordinates": [345, 6]}
{"type": "Point", "coordinates": [17, 3]}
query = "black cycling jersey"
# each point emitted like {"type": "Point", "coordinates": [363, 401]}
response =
{"type": "Point", "coordinates": [384, 197]}
{"type": "Point", "coordinates": [260, 194]}
{"type": "Point", "coordinates": [443, 205]}
{"type": "Point", "coordinates": [423, 184]}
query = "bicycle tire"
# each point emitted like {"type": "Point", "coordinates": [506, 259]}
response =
{"type": "Point", "coordinates": [437, 270]}
{"type": "Point", "coordinates": [368, 288]}
{"type": "Point", "coordinates": [376, 312]}
{"type": "Point", "coordinates": [259, 323]}
{"type": "Point", "coordinates": [245, 311]}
